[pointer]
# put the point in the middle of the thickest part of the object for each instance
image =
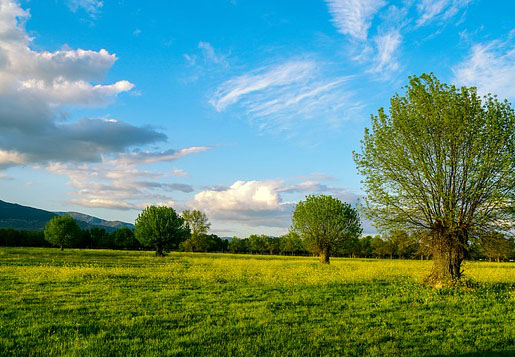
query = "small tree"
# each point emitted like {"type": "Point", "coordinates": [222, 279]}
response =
{"type": "Point", "coordinates": [198, 223]}
{"type": "Point", "coordinates": [62, 231]}
{"type": "Point", "coordinates": [442, 161]}
{"type": "Point", "coordinates": [325, 224]}
{"type": "Point", "coordinates": [161, 228]}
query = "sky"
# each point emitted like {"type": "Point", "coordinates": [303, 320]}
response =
{"type": "Point", "coordinates": [239, 108]}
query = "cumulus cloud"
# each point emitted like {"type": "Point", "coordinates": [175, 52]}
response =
{"type": "Point", "coordinates": [260, 203]}
{"type": "Point", "coordinates": [11, 158]}
{"type": "Point", "coordinates": [35, 87]}
{"type": "Point", "coordinates": [354, 17]}
{"type": "Point", "coordinates": [281, 96]}
{"type": "Point", "coordinates": [253, 203]}
{"type": "Point", "coordinates": [490, 67]}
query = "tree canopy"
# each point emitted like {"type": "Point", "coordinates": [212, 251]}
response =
{"type": "Point", "coordinates": [198, 223]}
{"type": "Point", "coordinates": [161, 228]}
{"type": "Point", "coordinates": [325, 223]}
{"type": "Point", "coordinates": [441, 161]}
{"type": "Point", "coordinates": [62, 231]}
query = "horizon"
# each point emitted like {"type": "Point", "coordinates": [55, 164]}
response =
{"type": "Point", "coordinates": [239, 109]}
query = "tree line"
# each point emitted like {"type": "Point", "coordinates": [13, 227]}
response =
{"type": "Point", "coordinates": [397, 244]}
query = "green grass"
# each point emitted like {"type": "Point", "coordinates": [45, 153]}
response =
{"type": "Point", "coordinates": [99, 302]}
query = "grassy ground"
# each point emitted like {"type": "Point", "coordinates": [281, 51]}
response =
{"type": "Point", "coordinates": [99, 302]}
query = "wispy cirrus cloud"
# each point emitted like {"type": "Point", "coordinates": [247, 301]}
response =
{"type": "Point", "coordinates": [283, 95]}
{"type": "Point", "coordinates": [149, 157]}
{"type": "Point", "coordinates": [439, 10]}
{"type": "Point", "coordinates": [354, 17]}
{"type": "Point", "coordinates": [92, 7]}
{"type": "Point", "coordinates": [264, 78]}
{"type": "Point", "coordinates": [376, 30]}
{"type": "Point", "coordinates": [490, 67]}
{"type": "Point", "coordinates": [205, 61]}
{"type": "Point", "coordinates": [387, 45]}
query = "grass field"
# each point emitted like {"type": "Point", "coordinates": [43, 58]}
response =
{"type": "Point", "coordinates": [100, 302]}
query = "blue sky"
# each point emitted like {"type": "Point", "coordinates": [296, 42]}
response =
{"type": "Point", "coordinates": [238, 108]}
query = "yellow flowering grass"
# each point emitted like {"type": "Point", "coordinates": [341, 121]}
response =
{"type": "Point", "coordinates": [100, 302]}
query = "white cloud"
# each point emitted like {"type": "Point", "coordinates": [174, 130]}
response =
{"type": "Point", "coordinates": [490, 67]}
{"type": "Point", "coordinates": [11, 158]}
{"type": "Point", "coordinates": [253, 203]}
{"type": "Point", "coordinates": [251, 195]}
{"type": "Point", "coordinates": [211, 55]}
{"type": "Point", "coordinates": [61, 91]}
{"type": "Point", "coordinates": [36, 89]}
{"type": "Point", "coordinates": [354, 17]}
{"type": "Point", "coordinates": [282, 96]}
{"type": "Point", "coordinates": [147, 157]}
{"type": "Point", "coordinates": [205, 62]}
{"type": "Point", "coordinates": [387, 45]}
{"type": "Point", "coordinates": [439, 10]}
{"type": "Point", "coordinates": [260, 203]}
{"type": "Point", "coordinates": [264, 78]}
{"type": "Point", "coordinates": [119, 183]}
{"type": "Point", "coordinates": [90, 6]}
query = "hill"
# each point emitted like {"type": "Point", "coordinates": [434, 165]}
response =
{"type": "Point", "coordinates": [13, 215]}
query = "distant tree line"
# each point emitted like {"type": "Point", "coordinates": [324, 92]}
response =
{"type": "Point", "coordinates": [189, 233]}
{"type": "Point", "coordinates": [93, 238]}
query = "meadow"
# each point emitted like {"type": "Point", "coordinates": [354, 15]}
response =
{"type": "Point", "coordinates": [102, 302]}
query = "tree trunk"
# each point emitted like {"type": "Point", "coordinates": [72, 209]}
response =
{"type": "Point", "coordinates": [324, 255]}
{"type": "Point", "coordinates": [448, 254]}
{"type": "Point", "coordinates": [62, 247]}
{"type": "Point", "coordinates": [159, 251]}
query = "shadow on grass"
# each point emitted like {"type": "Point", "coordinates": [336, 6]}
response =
{"type": "Point", "coordinates": [510, 352]}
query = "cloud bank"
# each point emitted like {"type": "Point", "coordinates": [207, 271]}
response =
{"type": "Point", "coordinates": [35, 89]}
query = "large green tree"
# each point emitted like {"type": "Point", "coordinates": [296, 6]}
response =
{"type": "Point", "coordinates": [325, 224]}
{"type": "Point", "coordinates": [441, 162]}
{"type": "Point", "coordinates": [62, 231]}
{"type": "Point", "coordinates": [160, 227]}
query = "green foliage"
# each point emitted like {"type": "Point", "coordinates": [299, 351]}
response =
{"type": "Point", "coordinates": [197, 221]}
{"type": "Point", "coordinates": [124, 238]}
{"type": "Point", "coordinates": [160, 228]}
{"type": "Point", "coordinates": [325, 223]}
{"type": "Point", "coordinates": [19, 238]}
{"type": "Point", "coordinates": [257, 243]}
{"type": "Point", "coordinates": [495, 246]}
{"type": "Point", "coordinates": [291, 243]}
{"type": "Point", "coordinates": [441, 161]}
{"type": "Point", "coordinates": [238, 245]}
{"type": "Point", "coordinates": [125, 303]}
{"type": "Point", "coordinates": [62, 231]}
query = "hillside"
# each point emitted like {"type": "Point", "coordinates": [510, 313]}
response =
{"type": "Point", "coordinates": [16, 216]}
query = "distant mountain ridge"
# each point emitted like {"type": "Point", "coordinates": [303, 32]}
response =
{"type": "Point", "coordinates": [95, 221]}
{"type": "Point", "coordinates": [13, 215]}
